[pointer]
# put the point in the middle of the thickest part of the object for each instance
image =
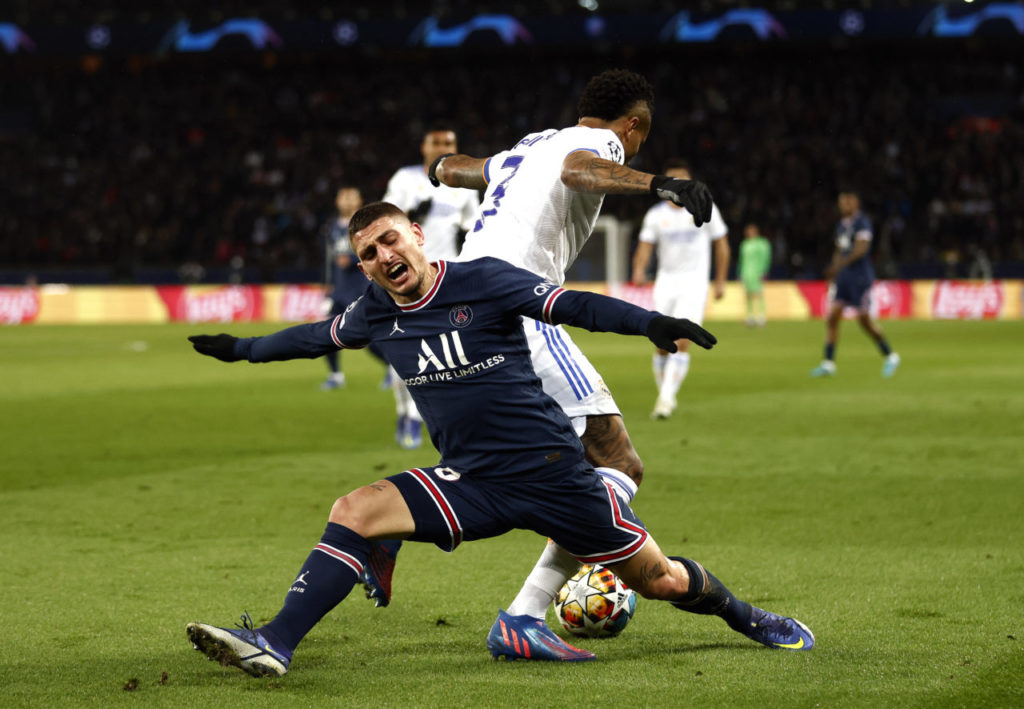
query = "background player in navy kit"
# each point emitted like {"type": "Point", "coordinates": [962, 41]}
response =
{"type": "Point", "coordinates": [509, 454]}
{"type": "Point", "coordinates": [852, 274]}
{"type": "Point", "coordinates": [342, 275]}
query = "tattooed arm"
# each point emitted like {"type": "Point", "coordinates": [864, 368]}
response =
{"type": "Point", "coordinates": [582, 171]}
{"type": "Point", "coordinates": [463, 171]}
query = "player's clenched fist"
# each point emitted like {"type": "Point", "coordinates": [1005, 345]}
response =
{"type": "Point", "coordinates": [664, 331]}
{"type": "Point", "coordinates": [694, 195]}
{"type": "Point", "coordinates": [221, 346]}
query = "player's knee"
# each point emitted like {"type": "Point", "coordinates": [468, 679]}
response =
{"type": "Point", "coordinates": [348, 512]}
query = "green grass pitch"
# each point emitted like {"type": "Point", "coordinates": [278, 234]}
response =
{"type": "Point", "coordinates": [143, 486]}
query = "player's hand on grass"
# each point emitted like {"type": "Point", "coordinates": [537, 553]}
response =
{"type": "Point", "coordinates": [694, 195]}
{"type": "Point", "coordinates": [664, 331]}
{"type": "Point", "coordinates": [221, 346]}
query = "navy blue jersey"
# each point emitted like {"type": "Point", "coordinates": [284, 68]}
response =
{"type": "Point", "coordinates": [848, 231]}
{"type": "Point", "coordinates": [344, 284]}
{"type": "Point", "coordinates": [462, 352]}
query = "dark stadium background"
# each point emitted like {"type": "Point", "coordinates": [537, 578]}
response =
{"type": "Point", "coordinates": [123, 160]}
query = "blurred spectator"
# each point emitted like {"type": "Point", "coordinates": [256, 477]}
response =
{"type": "Point", "coordinates": [135, 164]}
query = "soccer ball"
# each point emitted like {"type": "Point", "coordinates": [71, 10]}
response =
{"type": "Point", "coordinates": [595, 603]}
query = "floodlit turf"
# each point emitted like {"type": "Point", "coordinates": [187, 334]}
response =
{"type": "Point", "coordinates": [143, 486]}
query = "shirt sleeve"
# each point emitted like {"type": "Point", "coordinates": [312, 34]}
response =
{"type": "Point", "coordinates": [862, 230]}
{"type": "Point", "coordinates": [397, 193]}
{"type": "Point", "coordinates": [716, 225]}
{"type": "Point", "coordinates": [525, 293]}
{"type": "Point", "coordinates": [602, 142]}
{"type": "Point", "coordinates": [311, 340]}
{"type": "Point", "coordinates": [648, 232]}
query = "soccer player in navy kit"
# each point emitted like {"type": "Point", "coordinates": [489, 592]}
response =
{"type": "Point", "coordinates": [852, 276]}
{"type": "Point", "coordinates": [343, 278]}
{"type": "Point", "coordinates": [509, 455]}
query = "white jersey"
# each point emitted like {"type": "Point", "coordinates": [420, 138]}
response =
{"type": "Point", "coordinates": [684, 249]}
{"type": "Point", "coordinates": [451, 209]}
{"type": "Point", "coordinates": [528, 217]}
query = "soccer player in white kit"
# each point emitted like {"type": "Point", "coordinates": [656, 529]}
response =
{"type": "Point", "coordinates": [542, 199]}
{"type": "Point", "coordinates": [442, 213]}
{"type": "Point", "coordinates": [681, 284]}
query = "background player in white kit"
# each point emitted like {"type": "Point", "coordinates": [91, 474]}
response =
{"type": "Point", "coordinates": [442, 213]}
{"type": "Point", "coordinates": [681, 285]}
{"type": "Point", "coordinates": [542, 200]}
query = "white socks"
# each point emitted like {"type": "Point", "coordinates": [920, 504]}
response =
{"type": "Point", "coordinates": [658, 364]}
{"type": "Point", "coordinates": [676, 369]}
{"type": "Point", "coordinates": [404, 405]}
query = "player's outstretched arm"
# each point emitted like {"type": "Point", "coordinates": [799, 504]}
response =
{"type": "Point", "coordinates": [458, 171]}
{"type": "Point", "coordinates": [307, 341]}
{"type": "Point", "coordinates": [582, 171]}
{"type": "Point", "coordinates": [600, 313]}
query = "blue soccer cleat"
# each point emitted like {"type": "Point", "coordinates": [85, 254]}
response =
{"type": "Point", "coordinates": [515, 637]}
{"type": "Point", "coordinates": [826, 369]}
{"type": "Point", "coordinates": [377, 572]}
{"type": "Point", "coordinates": [779, 632]}
{"type": "Point", "coordinates": [892, 361]}
{"type": "Point", "coordinates": [243, 647]}
{"type": "Point", "coordinates": [334, 381]}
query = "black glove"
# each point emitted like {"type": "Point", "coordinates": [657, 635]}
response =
{"type": "Point", "coordinates": [420, 211]}
{"type": "Point", "coordinates": [432, 170]}
{"type": "Point", "coordinates": [664, 331]}
{"type": "Point", "coordinates": [220, 346]}
{"type": "Point", "coordinates": [692, 194]}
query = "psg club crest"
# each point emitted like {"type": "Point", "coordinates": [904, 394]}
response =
{"type": "Point", "coordinates": [460, 315]}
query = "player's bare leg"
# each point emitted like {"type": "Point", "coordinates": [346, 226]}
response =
{"type": "Point", "coordinates": [874, 331]}
{"type": "Point", "coordinates": [827, 368]}
{"type": "Point", "coordinates": [607, 444]}
{"type": "Point", "coordinates": [690, 587]}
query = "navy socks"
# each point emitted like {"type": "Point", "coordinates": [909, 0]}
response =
{"type": "Point", "coordinates": [330, 572]}
{"type": "Point", "coordinates": [709, 596]}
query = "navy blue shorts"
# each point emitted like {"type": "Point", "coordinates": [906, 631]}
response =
{"type": "Point", "coordinates": [575, 507]}
{"type": "Point", "coordinates": [855, 292]}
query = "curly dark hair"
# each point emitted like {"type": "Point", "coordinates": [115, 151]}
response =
{"type": "Point", "coordinates": [612, 93]}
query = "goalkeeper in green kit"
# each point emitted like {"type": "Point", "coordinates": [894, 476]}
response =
{"type": "Point", "coordinates": [755, 260]}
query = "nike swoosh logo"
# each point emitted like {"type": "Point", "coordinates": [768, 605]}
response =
{"type": "Point", "coordinates": [791, 646]}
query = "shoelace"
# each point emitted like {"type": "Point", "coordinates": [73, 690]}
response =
{"type": "Point", "coordinates": [247, 626]}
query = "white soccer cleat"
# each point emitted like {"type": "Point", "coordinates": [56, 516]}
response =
{"type": "Point", "coordinates": [662, 409]}
{"type": "Point", "coordinates": [827, 368]}
{"type": "Point", "coordinates": [890, 365]}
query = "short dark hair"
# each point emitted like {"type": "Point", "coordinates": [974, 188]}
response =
{"type": "Point", "coordinates": [611, 94]}
{"type": "Point", "coordinates": [679, 164]}
{"type": "Point", "coordinates": [370, 213]}
{"type": "Point", "coordinates": [439, 127]}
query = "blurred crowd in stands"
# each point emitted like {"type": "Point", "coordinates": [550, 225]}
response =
{"type": "Point", "coordinates": [204, 164]}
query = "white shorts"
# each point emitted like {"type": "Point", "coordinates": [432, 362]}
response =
{"type": "Point", "coordinates": [681, 299]}
{"type": "Point", "coordinates": [567, 375]}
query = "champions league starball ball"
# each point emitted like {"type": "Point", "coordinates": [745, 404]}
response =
{"type": "Point", "coordinates": [595, 603]}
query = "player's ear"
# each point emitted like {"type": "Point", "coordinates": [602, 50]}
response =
{"type": "Point", "coordinates": [417, 231]}
{"type": "Point", "coordinates": [362, 270]}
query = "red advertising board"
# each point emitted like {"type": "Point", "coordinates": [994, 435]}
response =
{"type": "Point", "coordinates": [889, 299]}
{"type": "Point", "coordinates": [212, 304]}
{"type": "Point", "coordinates": [18, 305]}
{"type": "Point", "coordinates": [960, 300]}
{"type": "Point", "coordinates": [301, 303]}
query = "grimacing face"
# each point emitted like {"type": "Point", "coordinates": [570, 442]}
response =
{"type": "Point", "coordinates": [437, 143]}
{"type": "Point", "coordinates": [390, 252]}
